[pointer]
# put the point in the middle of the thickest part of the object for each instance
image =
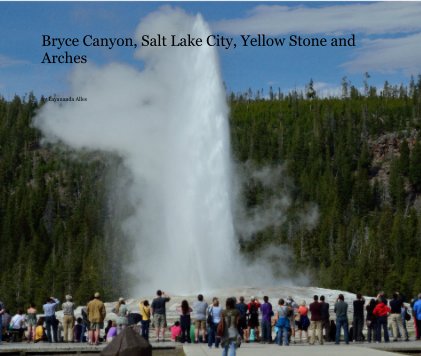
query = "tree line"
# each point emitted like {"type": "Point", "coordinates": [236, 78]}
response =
{"type": "Point", "coordinates": [357, 158]}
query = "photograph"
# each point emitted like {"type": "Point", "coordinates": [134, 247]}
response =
{"type": "Point", "coordinates": [210, 177]}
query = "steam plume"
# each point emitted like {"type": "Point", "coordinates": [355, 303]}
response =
{"type": "Point", "coordinates": [169, 124]}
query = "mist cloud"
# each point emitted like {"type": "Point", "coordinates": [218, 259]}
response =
{"type": "Point", "coordinates": [168, 123]}
{"type": "Point", "coordinates": [173, 192]}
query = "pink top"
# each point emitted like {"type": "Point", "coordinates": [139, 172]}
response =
{"type": "Point", "coordinates": [175, 331]}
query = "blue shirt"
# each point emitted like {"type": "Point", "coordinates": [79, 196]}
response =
{"type": "Point", "coordinates": [50, 308]}
{"type": "Point", "coordinates": [417, 309]}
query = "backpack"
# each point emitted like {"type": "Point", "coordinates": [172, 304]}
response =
{"type": "Point", "coordinates": [210, 316]}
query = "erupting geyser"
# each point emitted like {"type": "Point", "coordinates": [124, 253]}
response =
{"type": "Point", "coordinates": [169, 124]}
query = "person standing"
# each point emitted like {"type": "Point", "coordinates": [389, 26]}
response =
{"type": "Point", "coordinates": [242, 322]}
{"type": "Point", "coordinates": [358, 319]}
{"type": "Point", "coordinates": [159, 313]}
{"type": "Point", "coordinates": [417, 316]}
{"type": "Point", "coordinates": [231, 336]}
{"type": "Point", "coordinates": [2, 310]}
{"type": "Point", "coordinates": [215, 312]}
{"type": "Point", "coordinates": [381, 311]}
{"type": "Point", "coordinates": [341, 310]}
{"type": "Point", "coordinates": [85, 322]}
{"type": "Point", "coordinates": [199, 312]}
{"type": "Point", "coordinates": [253, 319]}
{"type": "Point", "coordinates": [96, 316]}
{"type": "Point", "coordinates": [68, 318]}
{"type": "Point", "coordinates": [304, 322]}
{"type": "Point", "coordinates": [325, 317]}
{"type": "Point", "coordinates": [122, 312]}
{"type": "Point", "coordinates": [316, 321]}
{"type": "Point", "coordinates": [371, 321]}
{"type": "Point", "coordinates": [31, 321]}
{"type": "Point", "coordinates": [282, 323]}
{"type": "Point", "coordinates": [267, 313]}
{"type": "Point", "coordinates": [404, 316]}
{"type": "Point", "coordinates": [185, 321]}
{"type": "Point", "coordinates": [50, 318]}
{"type": "Point", "coordinates": [145, 311]}
{"type": "Point", "coordinates": [293, 306]}
{"type": "Point", "coordinates": [396, 315]}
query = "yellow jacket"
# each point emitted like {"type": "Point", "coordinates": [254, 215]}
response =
{"type": "Point", "coordinates": [96, 311]}
{"type": "Point", "coordinates": [39, 332]}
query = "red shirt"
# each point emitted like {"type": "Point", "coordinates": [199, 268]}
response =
{"type": "Point", "coordinates": [316, 311]}
{"type": "Point", "coordinates": [381, 309]}
{"type": "Point", "coordinates": [256, 304]}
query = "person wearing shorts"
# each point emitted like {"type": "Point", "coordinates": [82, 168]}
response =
{"type": "Point", "coordinates": [96, 315]}
{"type": "Point", "coordinates": [253, 318]}
{"type": "Point", "coordinates": [304, 322]}
{"type": "Point", "coordinates": [293, 312]}
{"type": "Point", "coordinates": [242, 321]}
{"type": "Point", "coordinates": [159, 314]}
{"type": "Point", "coordinates": [199, 312]}
{"type": "Point", "coordinates": [160, 320]}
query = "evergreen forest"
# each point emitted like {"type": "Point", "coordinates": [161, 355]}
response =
{"type": "Point", "coordinates": [356, 159]}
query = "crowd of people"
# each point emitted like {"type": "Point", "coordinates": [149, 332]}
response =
{"type": "Point", "coordinates": [35, 327]}
{"type": "Point", "coordinates": [225, 325]}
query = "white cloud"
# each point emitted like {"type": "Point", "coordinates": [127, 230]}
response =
{"type": "Point", "coordinates": [326, 90]}
{"type": "Point", "coordinates": [375, 18]}
{"type": "Point", "coordinates": [388, 55]}
{"type": "Point", "coordinates": [323, 90]}
{"type": "Point", "coordinates": [373, 22]}
{"type": "Point", "coordinates": [6, 61]}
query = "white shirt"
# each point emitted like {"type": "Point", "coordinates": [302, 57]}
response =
{"type": "Point", "coordinates": [17, 322]}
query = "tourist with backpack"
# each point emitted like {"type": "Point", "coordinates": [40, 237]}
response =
{"type": "Point", "coordinates": [230, 337]}
{"type": "Point", "coordinates": [292, 315]}
{"type": "Point", "coordinates": [252, 332]}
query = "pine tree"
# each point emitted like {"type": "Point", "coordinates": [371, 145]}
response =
{"type": "Point", "coordinates": [415, 167]}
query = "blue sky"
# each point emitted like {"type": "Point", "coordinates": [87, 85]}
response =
{"type": "Point", "coordinates": [388, 41]}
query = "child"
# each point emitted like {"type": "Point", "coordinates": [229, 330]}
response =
{"type": "Point", "coordinates": [39, 331]}
{"type": "Point", "coordinates": [175, 331]}
{"type": "Point", "coordinates": [78, 330]}
{"type": "Point", "coordinates": [112, 332]}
